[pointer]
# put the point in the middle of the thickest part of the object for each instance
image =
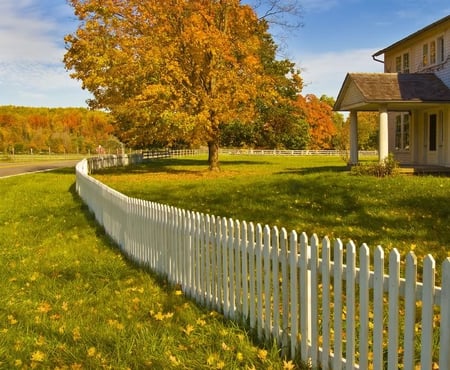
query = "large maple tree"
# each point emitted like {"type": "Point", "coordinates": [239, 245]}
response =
{"type": "Point", "coordinates": [172, 70]}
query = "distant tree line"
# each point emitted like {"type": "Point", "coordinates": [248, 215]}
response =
{"type": "Point", "coordinates": [310, 124]}
{"type": "Point", "coordinates": [55, 130]}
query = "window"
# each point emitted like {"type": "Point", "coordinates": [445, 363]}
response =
{"type": "Point", "coordinates": [402, 63]}
{"type": "Point", "coordinates": [398, 64]}
{"type": "Point", "coordinates": [402, 131]}
{"type": "Point", "coordinates": [406, 63]}
{"type": "Point", "coordinates": [433, 52]}
{"type": "Point", "coordinates": [425, 55]}
{"type": "Point", "coordinates": [440, 50]}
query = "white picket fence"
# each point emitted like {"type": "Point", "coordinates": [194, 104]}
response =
{"type": "Point", "coordinates": [334, 306]}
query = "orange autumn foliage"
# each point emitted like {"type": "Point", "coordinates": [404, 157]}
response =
{"type": "Point", "coordinates": [319, 116]}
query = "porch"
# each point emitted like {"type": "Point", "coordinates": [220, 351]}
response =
{"type": "Point", "coordinates": [424, 170]}
{"type": "Point", "coordinates": [415, 93]}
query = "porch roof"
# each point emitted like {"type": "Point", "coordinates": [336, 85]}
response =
{"type": "Point", "coordinates": [399, 91]}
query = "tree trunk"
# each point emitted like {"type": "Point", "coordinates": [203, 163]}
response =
{"type": "Point", "coordinates": [213, 155]}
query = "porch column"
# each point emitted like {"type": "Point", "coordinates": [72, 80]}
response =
{"type": "Point", "coordinates": [353, 137]}
{"type": "Point", "coordinates": [383, 151]}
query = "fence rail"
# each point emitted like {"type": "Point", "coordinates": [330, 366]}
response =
{"type": "Point", "coordinates": [332, 304]}
{"type": "Point", "coordinates": [147, 154]}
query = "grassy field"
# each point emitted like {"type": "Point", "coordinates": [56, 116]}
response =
{"type": "Point", "coordinates": [69, 300]}
{"type": "Point", "coordinates": [306, 194]}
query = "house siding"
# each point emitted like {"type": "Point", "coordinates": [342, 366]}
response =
{"type": "Point", "coordinates": [414, 47]}
{"type": "Point", "coordinates": [419, 128]}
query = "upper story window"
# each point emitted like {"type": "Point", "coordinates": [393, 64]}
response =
{"type": "Point", "coordinates": [433, 52]}
{"type": "Point", "coordinates": [440, 50]}
{"type": "Point", "coordinates": [425, 55]}
{"type": "Point", "coordinates": [402, 63]}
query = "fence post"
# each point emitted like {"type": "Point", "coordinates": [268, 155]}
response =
{"type": "Point", "coordinates": [444, 350]}
{"type": "Point", "coordinates": [427, 313]}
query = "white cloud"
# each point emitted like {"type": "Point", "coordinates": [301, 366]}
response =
{"type": "Point", "coordinates": [324, 73]}
{"type": "Point", "coordinates": [27, 34]}
{"type": "Point", "coordinates": [32, 48]}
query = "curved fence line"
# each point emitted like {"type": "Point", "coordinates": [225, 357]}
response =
{"type": "Point", "coordinates": [331, 304]}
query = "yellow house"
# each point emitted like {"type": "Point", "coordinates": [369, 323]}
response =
{"type": "Point", "coordinates": [412, 97]}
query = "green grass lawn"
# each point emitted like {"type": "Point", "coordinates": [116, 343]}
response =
{"type": "Point", "coordinates": [69, 299]}
{"type": "Point", "coordinates": [308, 194]}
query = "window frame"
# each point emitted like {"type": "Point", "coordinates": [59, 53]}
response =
{"type": "Point", "coordinates": [402, 131]}
{"type": "Point", "coordinates": [433, 51]}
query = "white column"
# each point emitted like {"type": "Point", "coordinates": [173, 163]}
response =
{"type": "Point", "coordinates": [383, 151]}
{"type": "Point", "coordinates": [353, 137]}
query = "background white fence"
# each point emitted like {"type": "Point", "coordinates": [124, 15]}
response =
{"type": "Point", "coordinates": [334, 306]}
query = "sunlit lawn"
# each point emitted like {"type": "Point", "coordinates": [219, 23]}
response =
{"type": "Point", "coordinates": [308, 194]}
{"type": "Point", "coordinates": [69, 300]}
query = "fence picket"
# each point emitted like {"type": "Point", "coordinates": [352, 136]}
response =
{"type": "Point", "coordinates": [224, 252]}
{"type": "Point", "coordinates": [208, 261]}
{"type": "Point", "coordinates": [364, 306]}
{"type": "Point", "coordinates": [244, 264]}
{"type": "Point", "coordinates": [426, 359]}
{"type": "Point", "coordinates": [378, 308]}
{"type": "Point", "coordinates": [284, 292]}
{"type": "Point", "coordinates": [237, 291]}
{"type": "Point", "coordinates": [444, 350]}
{"type": "Point", "coordinates": [252, 276]}
{"type": "Point", "coordinates": [315, 292]}
{"type": "Point", "coordinates": [305, 297]}
{"type": "Point", "coordinates": [350, 303]}
{"type": "Point", "coordinates": [259, 281]}
{"type": "Point", "coordinates": [231, 269]}
{"type": "Point", "coordinates": [410, 310]}
{"type": "Point", "coordinates": [286, 289]}
{"type": "Point", "coordinates": [326, 302]}
{"type": "Point", "coordinates": [267, 282]}
{"type": "Point", "coordinates": [394, 287]}
{"type": "Point", "coordinates": [275, 260]}
{"type": "Point", "coordinates": [337, 291]}
{"type": "Point", "coordinates": [293, 258]}
{"type": "Point", "coordinates": [219, 266]}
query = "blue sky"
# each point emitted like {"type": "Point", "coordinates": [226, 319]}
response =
{"type": "Point", "coordinates": [338, 36]}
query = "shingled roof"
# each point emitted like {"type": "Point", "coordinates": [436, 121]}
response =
{"type": "Point", "coordinates": [366, 91]}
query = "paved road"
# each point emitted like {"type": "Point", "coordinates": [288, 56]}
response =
{"type": "Point", "coordinates": [15, 169]}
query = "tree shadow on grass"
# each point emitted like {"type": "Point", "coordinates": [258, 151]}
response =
{"type": "Point", "coordinates": [312, 170]}
{"type": "Point", "coordinates": [166, 165]}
